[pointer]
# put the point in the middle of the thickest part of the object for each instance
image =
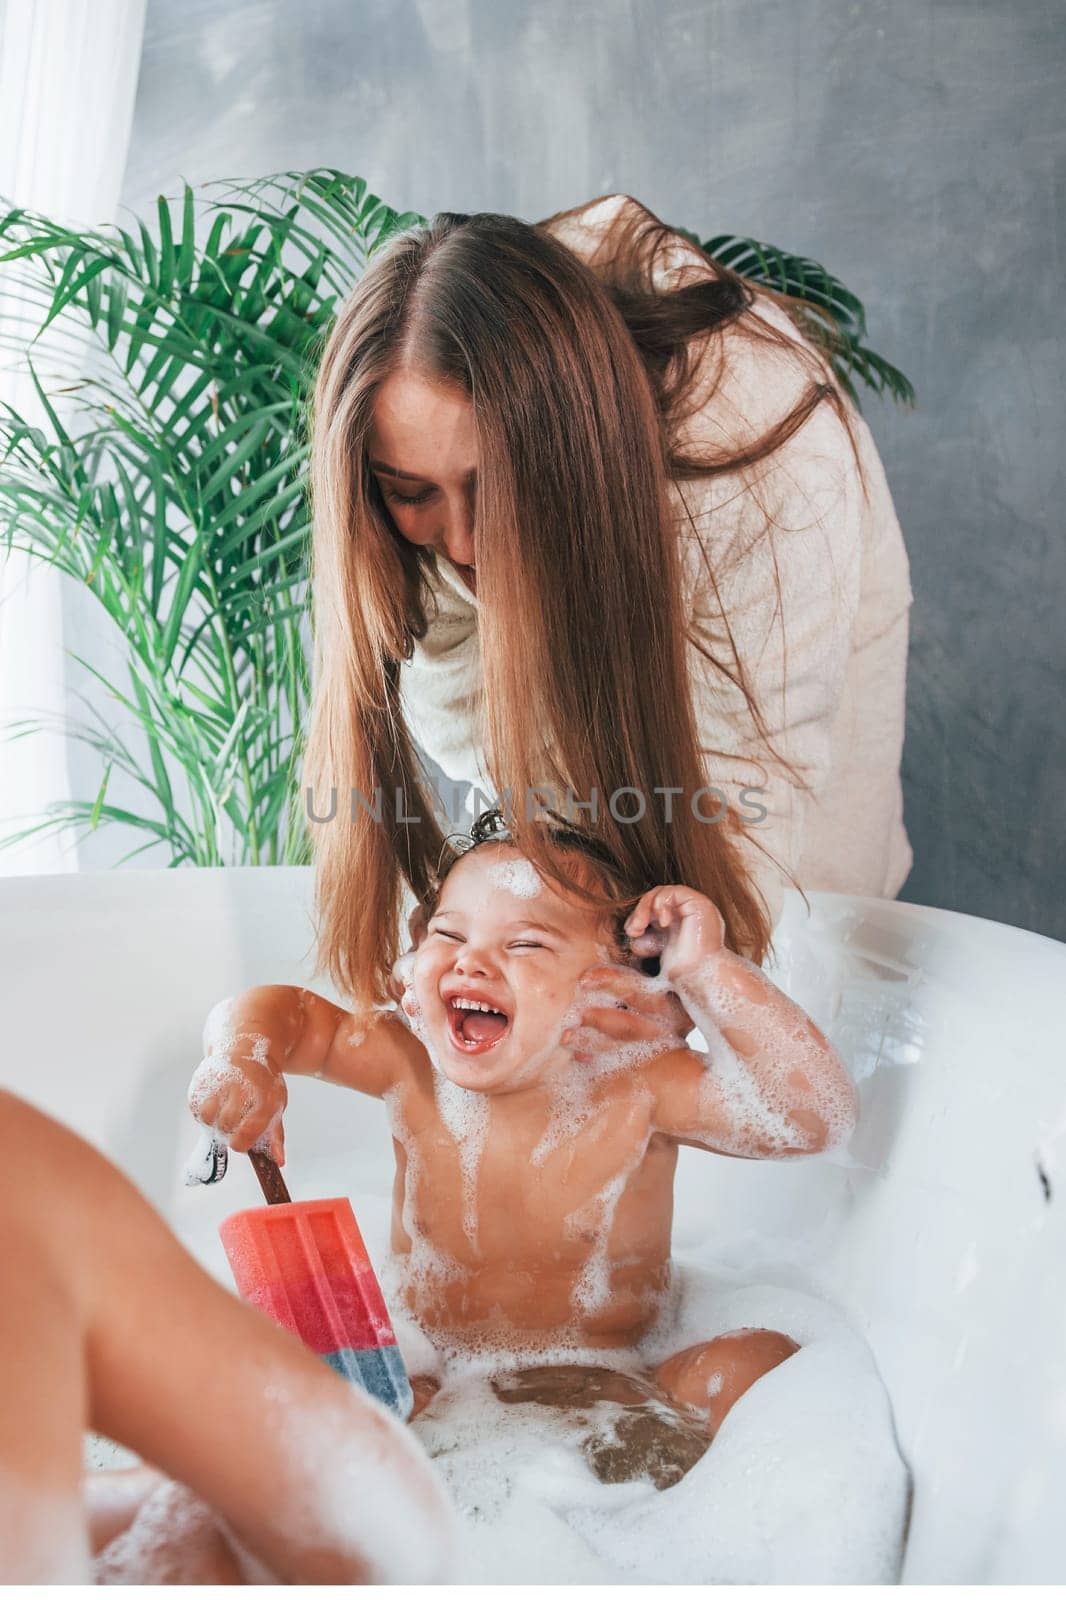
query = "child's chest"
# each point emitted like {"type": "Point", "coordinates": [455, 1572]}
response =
{"type": "Point", "coordinates": [474, 1176]}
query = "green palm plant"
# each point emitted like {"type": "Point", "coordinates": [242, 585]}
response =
{"type": "Point", "coordinates": [176, 490]}
{"type": "Point", "coordinates": [827, 312]}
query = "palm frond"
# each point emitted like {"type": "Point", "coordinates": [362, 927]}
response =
{"type": "Point", "coordinates": [823, 308]}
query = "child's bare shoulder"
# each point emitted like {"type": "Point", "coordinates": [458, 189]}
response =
{"type": "Point", "coordinates": [672, 1078]}
{"type": "Point", "coordinates": [678, 1064]}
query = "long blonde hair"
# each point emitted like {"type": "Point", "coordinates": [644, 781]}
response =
{"type": "Point", "coordinates": [577, 379]}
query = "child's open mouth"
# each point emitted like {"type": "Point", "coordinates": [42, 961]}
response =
{"type": "Point", "coordinates": [474, 1026]}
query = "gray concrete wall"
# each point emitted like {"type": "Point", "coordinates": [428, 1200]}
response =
{"type": "Point", "coordinates": [913, 145]}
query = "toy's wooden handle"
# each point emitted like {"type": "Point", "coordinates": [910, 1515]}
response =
{"type": "Point", "coordinates": [270, 1180]}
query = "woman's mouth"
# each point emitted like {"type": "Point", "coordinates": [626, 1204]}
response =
{"type": "Point", "coordinates": [473, 1027]}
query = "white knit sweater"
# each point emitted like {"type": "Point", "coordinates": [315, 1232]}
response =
{"type": "Point", "coordinates": [837, 713]}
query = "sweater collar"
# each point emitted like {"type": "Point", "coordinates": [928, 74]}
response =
{"type": "Point", "coordinates": [451, 578]}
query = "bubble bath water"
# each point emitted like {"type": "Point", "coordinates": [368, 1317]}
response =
{"type": "Point", "coordinates": [802, 1483]}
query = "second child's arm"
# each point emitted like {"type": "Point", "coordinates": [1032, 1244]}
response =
{"type": "Point", "coordinates": [770, 1084]}
{"type": "Point", "coordinates": [254, 1040]}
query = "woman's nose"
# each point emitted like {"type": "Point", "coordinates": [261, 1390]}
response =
{"type": "Point", "coordinates": [460, 548]}
{"type": "Point", "coordinates": [457, 536]}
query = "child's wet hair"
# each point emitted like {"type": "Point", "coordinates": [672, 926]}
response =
{"type": "Point", "coordinates": [490, 827]}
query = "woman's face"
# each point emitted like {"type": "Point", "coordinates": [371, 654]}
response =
{"type": "Point", "coordinates": [423, 452]}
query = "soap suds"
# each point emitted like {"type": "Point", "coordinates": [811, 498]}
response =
{"type": "Point", "coordinates": [216, 1075]}
{"type": "Point", "coordinates": [571, 1110]}
{"type": "Point", "coordinates": [752, 1107]}
{"type": "Point", "coordinates": [803, 1482]}
{"type": "Point", "coordinates": [804, 1479]}
{"type": "Point", "coordinates": [465, 1114]}
{"type": "Point", "coordinates": [355, 1486]}
{"type": "Point", "coordinates": [517, 875]}
{"type": "Point", "coordinates": [173, 1539]}
{"type": "Point", "coordinates": [358, 1485]}
{"type": "Point", "coordinates": [425, 1269]}
{"type": "Point", "coordinates": [221, 1034]}
{"type": "Point", "coordinates": [592, 1290]}
{"type": "Point", "coordinates": [218, 1025]}
{"type": "Point", "coordinates": [362, 1024]}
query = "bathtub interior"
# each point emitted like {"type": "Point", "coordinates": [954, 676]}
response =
{"type": "Point", "coordinates": [939, 1232]}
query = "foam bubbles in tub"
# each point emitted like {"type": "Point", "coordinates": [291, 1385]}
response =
{"type": "Point", "coordinates": [169, 1541]}
{"type": "Point", "coordinates": [803, 1482]}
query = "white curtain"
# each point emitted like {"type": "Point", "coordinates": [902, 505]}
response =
{"type": "Point", "coordinates": [68, 79]}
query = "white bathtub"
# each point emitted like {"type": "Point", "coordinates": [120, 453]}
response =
{"type": "Point", "coordinates": [942, 1231]}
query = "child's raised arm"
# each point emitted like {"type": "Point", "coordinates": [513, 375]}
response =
{"type": "Point", "coordinates": [254, 1040]}
{"type": "Point", "coordinates": [770, 1084]}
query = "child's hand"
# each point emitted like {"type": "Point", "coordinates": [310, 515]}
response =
{"type": "Point", "coordinates": [639, 1012]}
{"type": "Point", "coordinates": [243, 1099]}
{"type": "Point", "coordinates": [683, 928]}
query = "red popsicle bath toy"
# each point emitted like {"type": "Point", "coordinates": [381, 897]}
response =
{"type": "Point", "coordinates": [304, 1263]}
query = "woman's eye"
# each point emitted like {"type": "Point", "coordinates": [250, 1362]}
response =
{"type": "Point", "coordinates": [410, 499]}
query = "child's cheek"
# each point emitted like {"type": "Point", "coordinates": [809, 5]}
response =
{"type": "Point", "coordinates": [425, 978]}
{"type": "Point", "coordinates": [546, 997]}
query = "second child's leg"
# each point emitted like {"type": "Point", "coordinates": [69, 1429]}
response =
{"type": "Point", "coordinates": [43, 1397]}
{"type": "Point", "coordinates": [112, 1325]}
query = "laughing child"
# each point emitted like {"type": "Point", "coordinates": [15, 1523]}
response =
{"type": "Point", "coordinates": [536, 1140]}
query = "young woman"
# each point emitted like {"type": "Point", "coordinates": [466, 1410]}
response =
{"type": "Point", "coordinates": [593, 519]}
